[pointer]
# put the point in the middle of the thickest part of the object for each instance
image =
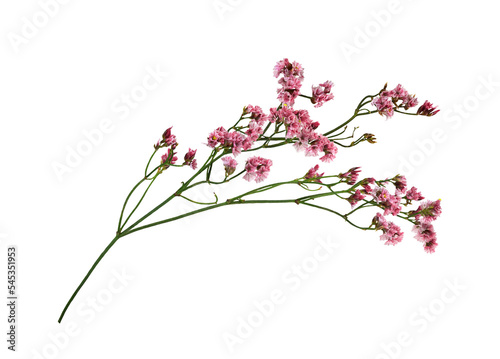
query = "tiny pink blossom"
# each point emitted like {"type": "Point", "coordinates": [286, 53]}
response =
{"type": "Point", "coordinates": [384, 106]}
{"type": "Point", "coordinates": [427, 109]}
{"type": "Point", "coordinates": [168, 158]}
{"type": "Point", "coordinates": [392, 235]}
{"type": "Point", "coordinates": [321, 93]}
{"type": "Point", "coordinates": [424, 232]}
{"type": "Point", "coordinates": [217, 137]}
{"type": "Point", "coordinates": [400, 184]}
{"type": "Point", "coordinates": [351, 176]}
{"type": "Point", "coordinates": [414, 195]}
{"type": "Point", "coordinates": [229, 165]}
{"type": "Point", "coordinates": [355, 198]}
{"type": "Point", "coordinates": [428, 211]}
{"type": "Point", "coordinates": [257, 169]}
{"type": "Point", "coordinates": [313, 174]}
{"type": "Point", "coordinates": [190, 160]}
{"type": "Point", "coordinates": [430, 247]}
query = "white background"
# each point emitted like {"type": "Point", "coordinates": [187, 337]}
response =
{"type": "Point", "coordinates": [193, 279]}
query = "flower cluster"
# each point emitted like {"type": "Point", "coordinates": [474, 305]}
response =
{"type": "Point", "coordinates": [391, 233]}
{"type": "Point", "coordinates": [169, 141]}
{"type": "Point", "coordinates": [229, 165]}
{"type": "Point", "coordinates": [313, 175]}
{"type": "Point", "coordinates": [257, 168]}
{"type": "Point", "coordinates": [291, 82]}
{"type": "Point", "coordinates": [392, 204]}
{"type": "Point", "coordinates": [398, 98]}
{"type": "Point", "coordinates": [321, 93]}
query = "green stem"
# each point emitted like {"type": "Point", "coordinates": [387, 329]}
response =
{"type": "Point", "coordinates": [87, 276]}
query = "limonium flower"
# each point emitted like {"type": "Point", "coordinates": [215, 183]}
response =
{"type": "Point", "coordinates": [288, 125]}
{"type": "Point", "coordinates": [321, 93]}
{"type": "Point", "coordinates": [229, 165]}
{"type": "Point", "coordinates": [257, 168]}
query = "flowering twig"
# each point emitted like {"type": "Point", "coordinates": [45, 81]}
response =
{"type": "Point", "coordinates": [284, 125]}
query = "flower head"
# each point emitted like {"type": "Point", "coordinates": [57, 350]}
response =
{"type": "Point", "coordinates": [427, 109]}
{"type": "Point", "coordinates": [428, 211]}
{"type": "Point", "coordinates": [229, 165]}
{"type": "Point", "coordinates": [321, 93]}
{"type": "Point", "coordinates": [313, 174]}
{"type": "Point", "coordinates": [354, 198]}
{"type": "Point", "coordinates": [351, 176]}
{"type": "Point", "coordinates": [257, 169]}
{"type": "Point", "coordinates": [190, 160]}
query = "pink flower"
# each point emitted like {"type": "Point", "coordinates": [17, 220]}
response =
{"type": "Point", "coordinates": [328, 148]}
{"type": "Point", "coordinates": [366, 185]}
{"type": "Point", "coordinates": [288, 69]}
{"type": "Point", "coordinates": [217, 137]}
{"type": "Point", "coordinates": [355, 198]}
{"type": "Point", "coordinates": [427, 109]}
{"type": "Point", "coordinates": [379, 222]}
{"type": "Point", "coordinates": [351, 176]}
{"type": "Point", "coordinates": [390, 203]}
{"type": "Point", "coordinates": [384, 106]}
{"type": "Point", "coordinates": [428, 211]}
{"type": "Point", "coordinates": [430, 247]}
{"type": "Point", "coordinates": [229, 165]}
{"type": "Point", "coordinates": [189, 159]}
{"type": "Point", "coordinates": [313, 174]}
{"type": "Point", "coordinates": [414, 195]}
{"type": "Point", "coordinates": [257, 169]}
{"type": "Point", "coordinates": [234, 141]}
{"type": "Point", "coordinates": [291, 82]}
{"type": "Point", "coordinates": [254, 130]}
{"type": "Point", "coordinates": [392, 235]}
{"type": "Point", "coordinates": [168, 158]}
{"type": "Point", "coordinates": [400, 184]}
{"type": "Point", "coordinates": [168, 139]}
{"type": "Point", "coordinates": [256, 114]}
{"type": "Point", "coordinates": [321, 93]}
{"type": "Point", "coordinates": [424, 232]}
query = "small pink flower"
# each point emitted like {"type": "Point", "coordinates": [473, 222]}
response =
{"type": "Point", "coordinates": [256, 114]}
{"type": "Point", "coordinates": [390, 204]}
{"type": "Point", "coordinates": [392, 235]}
{"type": "Point", "coordinates": [379, 222]}
{"type": "Point", "coordinates": [424, 232]}
{"type": "Point", "coordinates": [313, 174]}
{"type": "Point", "coordinates": [355, 198]}
{"type": "Point", "coordinates": [321, 93]}
{"type": "Point", "coordinates": [351, 176]}
{"type": "Point", "coordinates": [414, 195]}
{"type": "Point", "coordinates": [229, 165]}
{"type": "Point", "coordinates": [430, 247]}
{"type": "Point", "coordinates": [257, 169]}
{"type": "Point", "coordinates": [291, 82]}
{"type": "Point", "coordinates": [190, 160]}
{"type": "Point", "coordinates": [217, 137]}
{"type": "Point", "coordinates": [168, 158]}
{"type": "Point", "coordinates": [288, 69]}
{"type": "Point", "coordinates": [400, 184]}
{"type": "Point", "coordinates": [427, 109]}
{"type": "Point", "coordinates": [428, 211]}
{"type": "Point", "coordinates": [384, 106]}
